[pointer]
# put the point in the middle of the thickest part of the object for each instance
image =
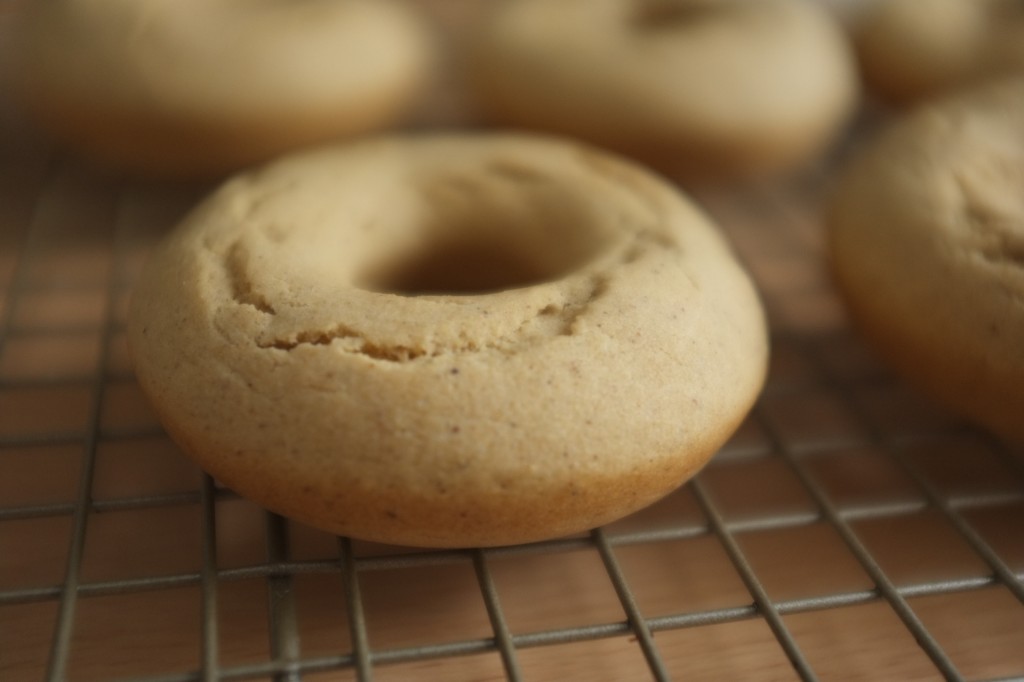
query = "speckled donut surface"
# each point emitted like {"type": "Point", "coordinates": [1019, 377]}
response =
{"type": "Point", "coordinates": [707, 88]}
{"type": "Point", "coordinates": [189, 87]}
{"type": "Point", "coordinates": [927, 237]}
{"type": "Point", "coordinates": [449, 341]}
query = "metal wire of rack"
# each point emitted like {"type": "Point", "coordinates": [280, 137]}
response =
{"type": "Point", "coordinates": [849, 531]}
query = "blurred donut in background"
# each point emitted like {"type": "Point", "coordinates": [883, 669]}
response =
{"type": "Point", "coordinates": [706, 88]}
{"type": "Point", "coordinates": [187, 88]}
{"type": "Point", "coordinates": [910, 50]}
{"type": "Point", "coordinates": [927, 245]}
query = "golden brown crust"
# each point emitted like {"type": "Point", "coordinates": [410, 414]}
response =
{"type": "Point", "coordinates": [705, 88]}
{"type": "Point", "coordinates": [166, 87]}
{"type": "Point", "coordinates": [295, 336]}
{"type": "Point", "coordinates": [927, 238]}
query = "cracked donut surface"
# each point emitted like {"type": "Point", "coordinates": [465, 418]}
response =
{"type": "Point", "coordinates": [449, 341]}
{"type": "Point", "coordinates": [927, 238]}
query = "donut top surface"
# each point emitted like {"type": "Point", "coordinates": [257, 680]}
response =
{"type": "Point", "coordinates": [523, 246]}
{"type": "Point", "coordinates": [433, 255]}
{"type": "Point", "coordinates": [449, 341]}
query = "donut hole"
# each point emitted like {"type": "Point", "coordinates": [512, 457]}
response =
{"type": "Point", "coordinates": [470, 254]}
{"type": "Point", "coordinates": [670, 14]}
{"type": "Point", "coordinates": [460, 269]}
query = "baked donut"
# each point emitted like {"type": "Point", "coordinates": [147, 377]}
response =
{"type": "Point", "coordinates": [909, 51]}
{"type": "Point", "coordinates": [927, 240]}
{"type": "Point", "coordinates": [705, 88]}
{"type": "Point", "coordinates": [448, 341]}
{"type": "Point", "coordinates": [181, 87]}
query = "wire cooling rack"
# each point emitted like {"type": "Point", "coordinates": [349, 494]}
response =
{"type": "Point", "coordinates": [849, 530]}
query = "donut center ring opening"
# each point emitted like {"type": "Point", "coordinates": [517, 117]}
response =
{"type": "Point", "coordinates": [480, 245]}
{"type": "Point", "coordinates": [457, 268]}
{"type": "Point", "coordinates": [670, 14]}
